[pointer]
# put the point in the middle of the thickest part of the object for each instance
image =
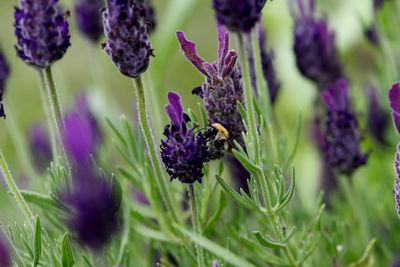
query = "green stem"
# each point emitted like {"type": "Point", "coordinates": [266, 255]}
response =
{"type": "Point", "coordinates": [196, 225]}
{"type": "Point", "coordinates": [152, 149]}
{"type": "Point", "coordinates": [56, 114]}
{"type": "Point", "coordinates": [14, 190]}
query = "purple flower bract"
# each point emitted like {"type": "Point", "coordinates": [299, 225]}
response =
{"type": "Point", "coordinates": [89, 19]}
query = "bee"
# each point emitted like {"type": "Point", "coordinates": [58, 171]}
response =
{"type": "Point", "coordinates": [217, 138]}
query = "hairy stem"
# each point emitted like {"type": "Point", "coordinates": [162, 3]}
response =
{"type": "Point", "coordinates": [152, 149]}
{"type": "Point", "coordinates": [196, 225]}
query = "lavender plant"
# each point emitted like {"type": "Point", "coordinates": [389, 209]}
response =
{"type": "Point", "coordinates": [211, 185]}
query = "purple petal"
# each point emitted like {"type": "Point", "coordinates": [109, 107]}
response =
{"type": "Point", "coordinates": [174, 108]}
{"type": "Point", "coordinates": [394, 98]}
{"type": "Point", "coordinates": [335, 96]}
{"type": "Point", "coordinates": [229, 63]}
{"type": "Point", "coordinates": [189, 50]}
{"type": "Point", "coordinates": [396, 119]}
{"type": "Point", "coordinates": [223, 44]}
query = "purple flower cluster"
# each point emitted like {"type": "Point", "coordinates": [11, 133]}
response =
{"type": "Point", "coordinates": [40, 147]}
{"type": "Point", "coordinates": [238, 15]}
{"type": "Point", "coordinates": [183, 152]}
{"type": "Point", "coordinates": [42, 32]}
{"type": "Point", "coordinates": [341, 144]}
{"type": "Point", "coordinates": [396, 190]}
{"type": "Point", "coordinates": [314, 47]}
{"type": "Point", "coordinates": [127, 36]}
{"type": "Point", "coordinates": [378, 118]}
{"type": "Point", "coordinates": [4, 73]}
{"type": "Point", "coordinates": [223, 86]}
{"type": "Point", "coordinates": [89, 19]}
{"type": "Point", "coordinates": [5, 259]}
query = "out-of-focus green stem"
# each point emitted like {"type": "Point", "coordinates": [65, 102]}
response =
{"type": "Point", "coordinates": [152, 149]}
{"type": "Point", "coordinates": [15, 191]}
{"type": "Point", "coordinates": [196, 225]}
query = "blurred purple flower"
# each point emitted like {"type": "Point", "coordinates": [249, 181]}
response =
{"type": "Point", "coordinates": [267, 61]}
{"type": "Point", "coordinates": [150, 19]}
{"type": "Point", "coordinates": [238, 15]}
{"type": "Point", "coordinates": [127, 41]}
{"type": "Point", "coordinates": [94, 207]}
{"type": "Point", "coordinates": [371, 33]}
{"type": "Point", "coordinates": [314, 46]}
{"type": "Point", "coordinates": [378, 118]}
{"type": "Point", "coordinates": [140, 197]}
{"type": "Point", "coordinates": [378, 4]}
{"type": "Point", "coordinates": [40, 147]}
{"type": "Point", "coordinates": [394, 101]}
{"type": "Point", "coordinates": [239, 173]}
{"type": "Point", "coordinates": [5, 258]}
{"type": "Point", "coordinates": [42, 32]}
{"type": "Point", "coordinates": [89, 19]}
{"type": "Point", "coordinates": [341, 146]}
{"type": "Point", "coordinates": [223, 86]}
{"type": "Point", "coordinates": [183, 152]}
{"type": "Point", "coordinates": [4, 74]}
{"type": "Point", "coordinates": [396, 190]}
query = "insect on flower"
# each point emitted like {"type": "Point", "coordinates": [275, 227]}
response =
{"type": "Point", "coordinates": [217, 138]}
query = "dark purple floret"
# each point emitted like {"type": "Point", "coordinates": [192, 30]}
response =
{"type": "Point", "coordinates": [89, 19]}
{"type": "Point", "coordinates": [267, 61]}
{"type": "Point", "coordinates": [5, 258]}
{"type": "Point", "coordinates": [40, 147]}
{"type": "Point", "coordinates": [314, 46]}
{"type": "Point", "coordinates": [341, 134]}
{"type": "Point", "coordinates": [42, 32]}
{"type": "Point", "coordinates": [127, 36]}
{"type": "Point", "coordinates": [4, 74]}
{"type": "Point", "coordinates": [394, 100]}
{"type": "Point", "coordinates": [94, 207]}
{"type": "Point", "coordinates": [396, 190]}
{"type": "Point", "coordinates": [238, 15]}
{"type": "Point", "coordinates": [183, 152]}
{"type": "Point", "coordinates": [378, 118]}
{"type": "Point", "coordinates": [222, 88]}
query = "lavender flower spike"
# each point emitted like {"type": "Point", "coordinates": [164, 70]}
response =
{"type": "Point", "coordinates": [341, 135]}
{"type": "Point", "coordinates": [394, 100]}
{"type": "Point", "coordinates": [183, 152]}
{"type": "Point", "coordinates": [396, 190]}
{"type": "Point", "coordinates": [314, 46]}
{"type": "Point", "coordinates": [223, 87]}
{"type": "Point", "coordinates": [89, 19]}
{"type": "Point", "coordinates": [238, 15]}
{"type": "Point", "coordinates": [42, 32]}
{"type": "Point", "coordinates": [127, 42]}
{"type": "Point", "coordinates": [4, 73]}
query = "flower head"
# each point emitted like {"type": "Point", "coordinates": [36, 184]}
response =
{"type": "Point", "coordinates": [314, 46]}
{"type": "Point", "coordinates": [40, 147]}
{"type": "Point", "coordinates": [396, 190]}
{"type": "Point", "coordinates": [4, 73]}
{"type": "Point", "coordinates": [42, 32]}
{"type": "Point", "coordinates": [127, 42]}
{"type": "Point", "coordinates": [5, 259]}
{"type": "Point", "coordinates": [394, 100]}
{"type": "Point", "coordinates": [89, 19]}
{"type": "Point", "coordinates": [341, 144]}
{"type": "Point", "coordinates": [238, 15]}
{"type": "Point", "coordinates": [222, 88]}
{"type": "Point", "coordinates": [94, 206]}
{"type": "Point", "coordinates": [378, 118]}
{"type": "Point", "coordinates": [183, 152]}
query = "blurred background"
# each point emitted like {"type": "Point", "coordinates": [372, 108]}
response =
{"type": "Point", "coordinates": [87, 67]}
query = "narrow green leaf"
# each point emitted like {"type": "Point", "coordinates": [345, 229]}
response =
{"type": "Point", "coordinates": [217, 214]}
{"type": "Point", "coordinates": [67, 254]}
{"type": "Point", "coordinates": [290, 158]}
{"type": "Point", "coordinates": [366, 259]}
{"type": "Point", "coordinates": [40, 200]}
{"type": "Point", "coordinates": [37, 245]}
{"type": "Point", "coordinates": [233, 194]}
{"type": "Point", "coordinates": [267, 241]}
{"type": "Point", "coordinates": [252, 168]}
{"type": "Point", "coordinates": [289, 193]}
{"type": "Point", "coordinates": [116, 132]}
{"type": "Point", "coordinates": [217, 250]}
{"type": "Point", "coordinates": [117, 190]}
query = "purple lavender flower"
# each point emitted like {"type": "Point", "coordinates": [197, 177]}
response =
{"type": "Point", "coordinates": [42, 32]}
{"type": "Point", "coordinates": [238, 15]}
{"type": "Point", "coordinates": [150, 16]}
{"type": "Point", "coordinates": [396, 190]}
{"type": "Point", "coordinates": [5, 259]}
{"type": "Point", "coordinates": [222, 88]}
{"type": "Point", "coordinates": [4, 73]}
{"type": "Point", "coordinates": [88, 18]}
{"type": "Point", "coordinates": [127, 36]}
{"type": "Point", "coordinates": [40, 147]}
{"type": "Point", "coordinates": [341, 135]}
{"type": "Point", "coordinates": [378, 118]}
{"type": "Point", "coordinates": [94, 207]}
{"type": "Point", "coordinates": [183, 152]}
{"type": "Point", "coordinates": [314, 47]}
{"type": "Point", "coordinates": [267, 61]}
{"type": "Point", "coordinates": [394, 100]}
